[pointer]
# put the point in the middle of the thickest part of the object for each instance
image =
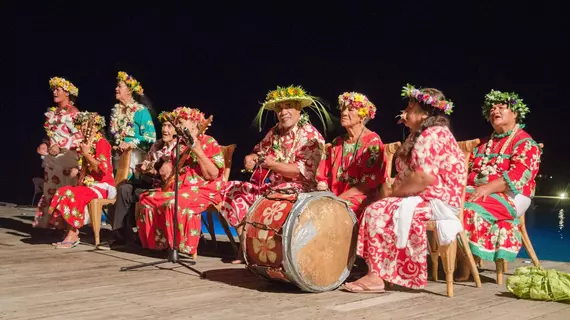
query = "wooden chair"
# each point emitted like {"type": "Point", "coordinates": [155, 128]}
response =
{"type": "Point", "coordinates": [96, 205]}
{"type": "Point", "coordinates": [501, 265]}
{"type": "Point", "coordinates": [389, 152]}
{"type": "Point", "coordinates": [448, 252]}
{"type": "Point", "coordinates": [212, 210]}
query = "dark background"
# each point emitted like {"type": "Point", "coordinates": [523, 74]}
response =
{"type": "Point", "coordinates": [223, 58]}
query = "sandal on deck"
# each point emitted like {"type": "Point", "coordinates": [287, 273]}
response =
{"type": "Point", "coordinates": [364, 288]}
{"type": "Point", "coordinates": [67, 244]}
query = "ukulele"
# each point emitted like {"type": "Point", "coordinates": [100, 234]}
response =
{"type": "Point", "coordinates": [88, 136]}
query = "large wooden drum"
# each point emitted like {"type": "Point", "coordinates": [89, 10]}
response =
{"type": "Point", "coordinates": [306, 239]}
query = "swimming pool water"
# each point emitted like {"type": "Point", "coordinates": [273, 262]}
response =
{"type": "Point", "coordinates": [546, 223]}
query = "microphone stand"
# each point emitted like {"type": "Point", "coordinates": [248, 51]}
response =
{"type": "Point", "coordinates": [173, 256]}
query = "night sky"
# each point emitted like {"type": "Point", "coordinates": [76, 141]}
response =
{"type": "Point", "coordinates": [223, 58]}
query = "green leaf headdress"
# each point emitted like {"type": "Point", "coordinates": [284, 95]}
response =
{"type": "Point", "coordinates": [297, 94]}
{"type": "Point", "coordinates": [511, 99]}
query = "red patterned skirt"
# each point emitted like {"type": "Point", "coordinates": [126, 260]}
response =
{"type": "Point", "coordinates": [377, 239]}
{"type": "Point", "coordinates": [155, 219]}
{"type": "Point", "coordinates": [68, 205]}
{"type": "Point", "coordinates": [492, 228]}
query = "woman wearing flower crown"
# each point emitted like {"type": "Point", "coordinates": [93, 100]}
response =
{"type": "Point", "coordinates": [288, 156]}
{"type": "Point", "coordinates": [68, 208]}
{"type": "Point", "coordinates": [429, 185]}
{"type": "Point", "coordinates": [200, 184]}
{"type": "Point", "coordinates": [131, 125]}
{"type": "Point", "coordinates": [59, 151]}
{"type": "Point", "coordinates": [123, 211]}
{"type": "Point", "coordinates": [354, 166]}
{"type": "Point", "coordinates": [501, 181]}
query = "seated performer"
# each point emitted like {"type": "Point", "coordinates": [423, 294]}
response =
{"type": "Point", "coordinates": [146, 177]}
{"type": "Point", "coordinates": [201, 179]}
{"type": "Point", "coordinates": [288, 156]}
{"type": "Point", "coordinates": [501, 181]}
{"type": "Point", "coordinates": [354, 165]}
{"type": "Point", "coordinates": [69, 204]}
{"type": "Point", "coordinates": [131, 124]}
{"type": "Point", "coordinates": [429, 185]}
{"type": "Point", "coordinates": [60, 159]}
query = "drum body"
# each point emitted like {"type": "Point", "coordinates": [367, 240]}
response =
{"type": "Point", "coordinates": [307, 239]}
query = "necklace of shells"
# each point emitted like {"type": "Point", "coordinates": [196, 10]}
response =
{"type": "Point", "coordinates": [487, 169]}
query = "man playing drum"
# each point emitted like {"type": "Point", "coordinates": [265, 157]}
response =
{"type": "Point", "coordinates": [287, 158]}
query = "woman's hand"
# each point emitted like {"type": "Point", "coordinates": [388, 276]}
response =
{"type": "Point", "coordinates": [165, 171]}
{"type": "Point", "coordinates": [268, 162]}
{"type": "Point", "coordinates": [322, 186]}
{"type": "Point", "coordinates": [74, 172]}
{"type": "Point", "coordinates": [54, 150]}
{"type": "Point", "coordinates": [250, 161]}
{"type": "Point", "coordinates": [124, 146]}
{"type": "Point", "coordinates": [85, 149]}
{"type": "Point", "coordinates": [42, 149]}
{"type": "Point", "coordinates": [481, 192]}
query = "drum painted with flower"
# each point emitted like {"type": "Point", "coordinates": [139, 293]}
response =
{"type": "Point", "coordinates": [306, 239]}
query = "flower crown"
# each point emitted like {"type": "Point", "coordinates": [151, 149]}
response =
{"type": "Point", "coordinates": [162, 117]}
{"type": "Point", "coordinates": [411, 92]}
{"type": "Point", "coordinates": [357, 101]}
{"type": "Point", "coordinates": [511, 99]}
{"type": "Point", "coordinates": [85, 116]}
{"type": "Point", "coordinates": [189, 114]}
{"type": "Point", "coordinates": [131, 82]}
{"type": "Point", "coordinates": [297, 94]}
{"type": "Point", "coordinates": [64, 84]}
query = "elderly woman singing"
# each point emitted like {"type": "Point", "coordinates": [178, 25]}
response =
{"type": "Point", "coordinates": [501, 181]}
{"type": "Point", "coordinates": [354, 166]}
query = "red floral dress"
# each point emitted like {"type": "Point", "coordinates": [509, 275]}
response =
{"type": "Point", "coordinates": [435, 152]}
{"type": "Point", "coordinates": [60, 129]}
{"type": "Point", "coordinates": [491, 225]}
{"type": "Point", "coordinates": [302, 145]}
{"type": "Point", "coordinates": [349, 165]}
{"type": "Point", "coordinates": [195, 195]}
{"type": "Point", "coordinates": [69, 203]}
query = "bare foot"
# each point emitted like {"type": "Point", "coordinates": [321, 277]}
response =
{"type": "Point", "coordinates": [237, 261]}
{"type": "Point", "coordinates": [367, 283]}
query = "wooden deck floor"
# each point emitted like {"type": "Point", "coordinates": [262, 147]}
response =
{"type": "Point", "coordinates": [38, 282]}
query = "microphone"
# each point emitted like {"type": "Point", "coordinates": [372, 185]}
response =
{"type": "Point", "coordinates": [188, 136]}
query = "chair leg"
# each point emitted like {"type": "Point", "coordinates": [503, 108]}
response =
{"type": "Point", "coordinates": [434, 255]}
{"type": "Point", "coordinates": [448, 256]}
{"type": "Point", "coordinates": [211, 229]}
{"type": "Point", "coordinates": [500, 265]}
{"type": "Point", "coordinates": [228, 232]}
{"type": "Point", "coordinates": [95, 214]}
{"type": "Point", "coordinates": [469, 255]}
{"type": "Point", "coordinates": [528, 245]}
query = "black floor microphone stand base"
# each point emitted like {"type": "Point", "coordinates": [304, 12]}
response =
{"type": "Point", "coordinates": [173, 255]}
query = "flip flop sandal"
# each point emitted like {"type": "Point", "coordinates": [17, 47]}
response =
{"type": "Point", "coordinates": [364, 288]}
{"type": "Point", "coordinates": [66, 243]}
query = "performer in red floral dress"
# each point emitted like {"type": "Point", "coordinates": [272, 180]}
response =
{"type": "Point", "coordinates": [430, 181]}
{"type": "Point", "coordinates": [288, 156]}
{"type": "Point", "coordinates": [59, 152]}
{"type": "Point", "coordinates": [200, 184]}
{"type": "Point", "coordinates": [69, 205]}
{"type": "Point", "coordinates": [354, 165]}
{"type": "Point", "coordinates": [501, 181]}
